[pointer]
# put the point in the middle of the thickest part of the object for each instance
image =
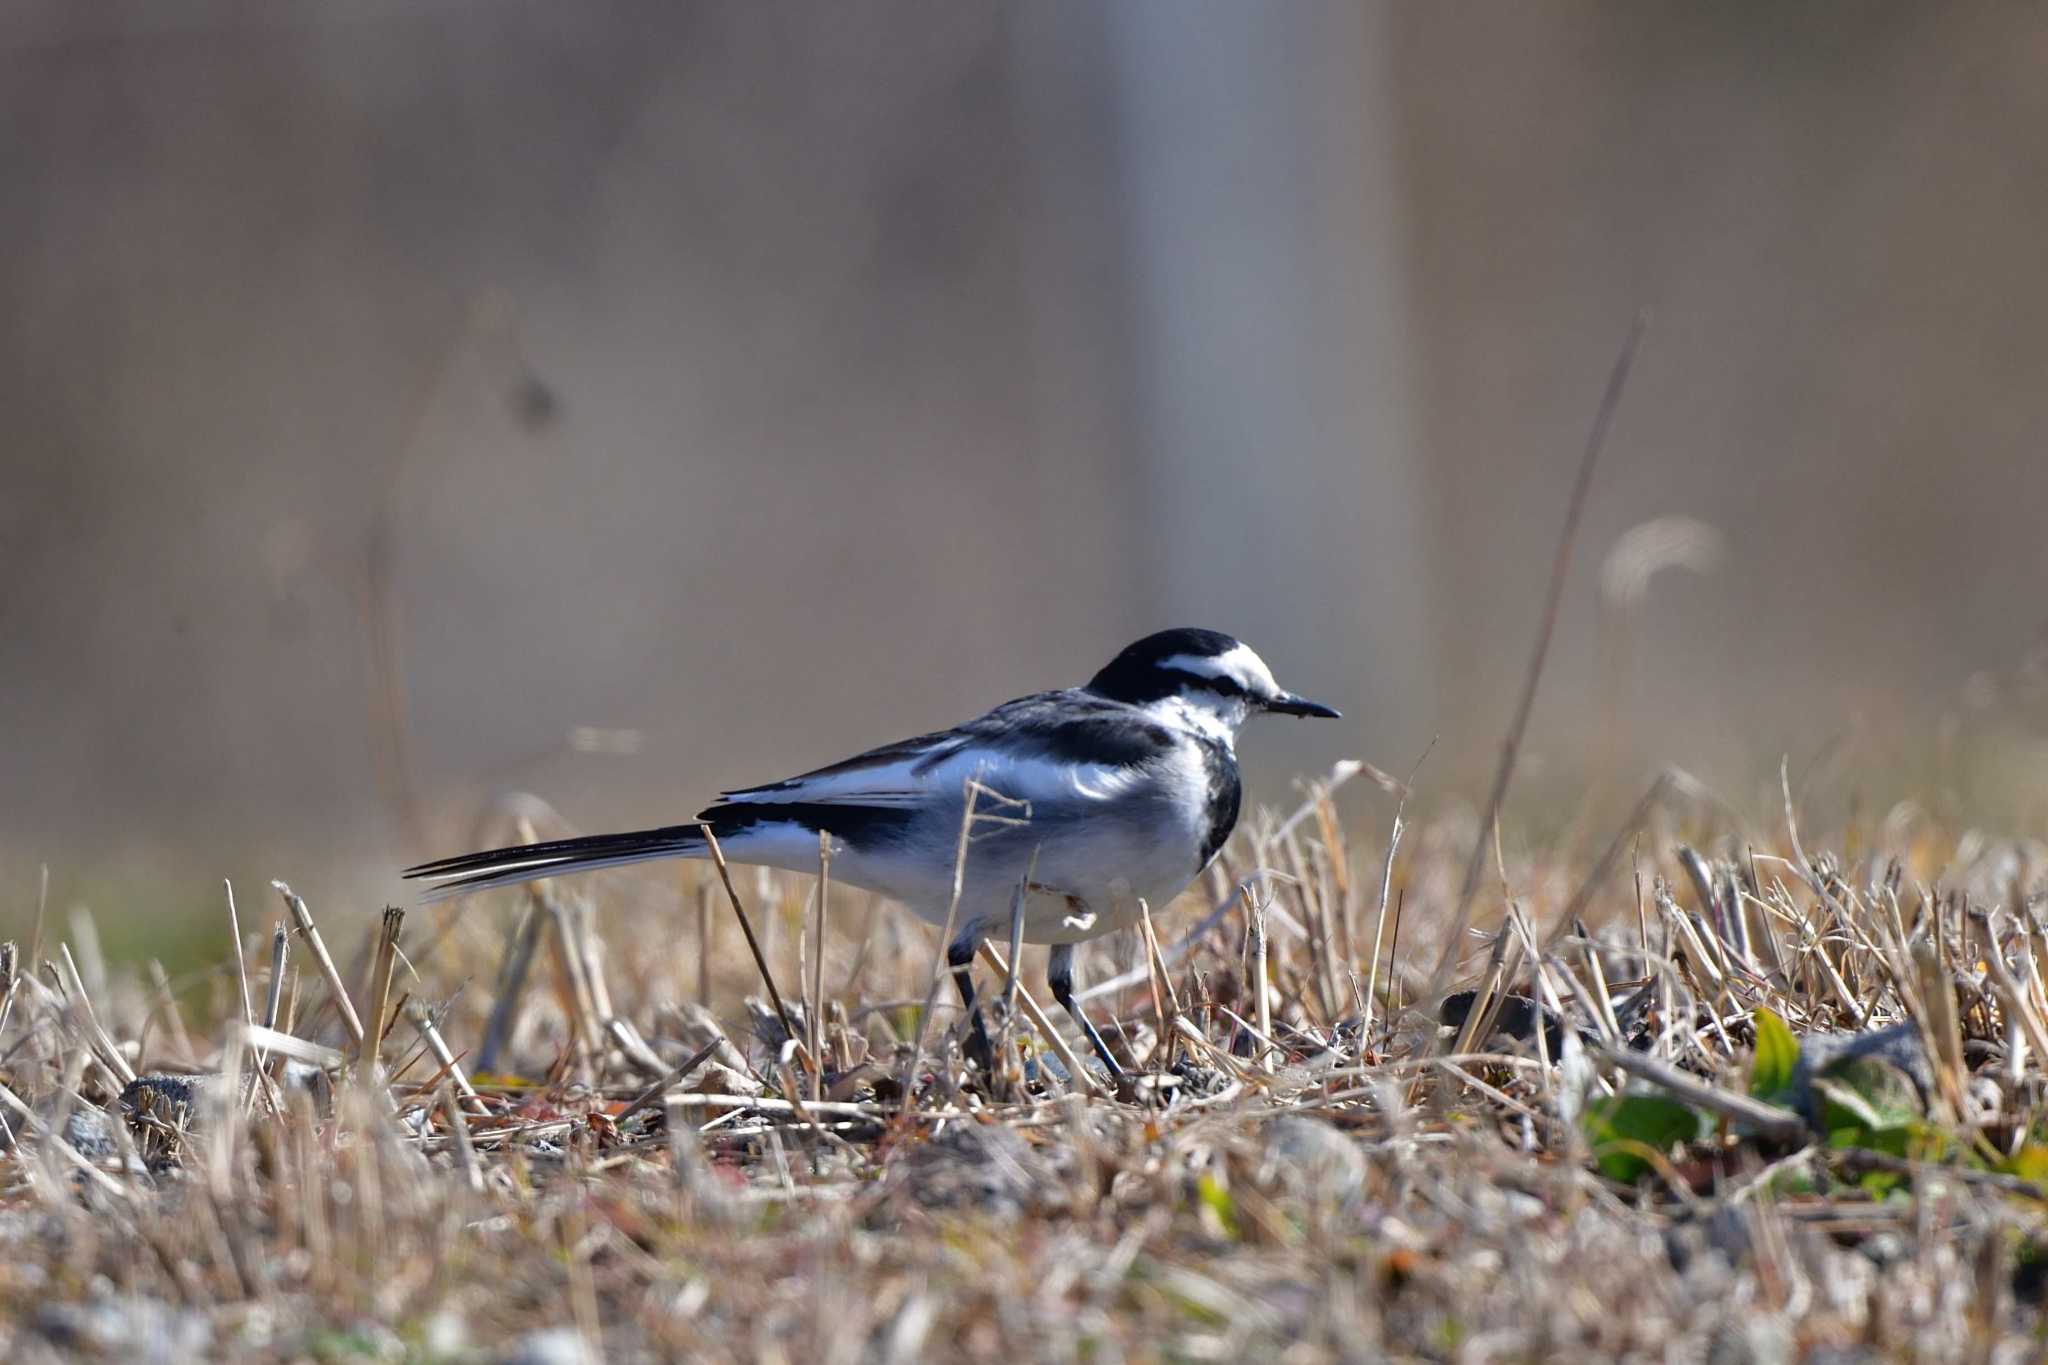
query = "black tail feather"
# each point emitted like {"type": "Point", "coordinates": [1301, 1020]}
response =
{"type": "Point", "coordinates": [604, 845]}
{"type": "Point", "coordinates": [556, 857]}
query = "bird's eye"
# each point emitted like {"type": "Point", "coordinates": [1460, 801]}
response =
{"type": "Point", "coordinates": [1221, 684]}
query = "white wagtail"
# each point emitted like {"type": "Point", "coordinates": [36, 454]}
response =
{"type": "Point", "coordinates": [1103, 796]}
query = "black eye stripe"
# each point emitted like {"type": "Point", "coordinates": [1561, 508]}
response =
{"type": "Point", "coordinates": [1221, 683]}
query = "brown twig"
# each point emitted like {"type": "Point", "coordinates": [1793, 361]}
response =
{"type": "Point", "coordinates": [814, 1012]}
{"type": "Point", "coordinates": [669, 1082]}
{"type": "Point", "coordinates": [1511, 747]}
{"type": "Point", "coordinates": [371, 1047]}
{"type": "Point", "coordinates": [241, 965]}
{"type": "Point", "coordinates": [739, 911]}
{"type": "Point", "coordinates": [303, 917]}
{"type": "Point", "coordinates": [445, 1058]}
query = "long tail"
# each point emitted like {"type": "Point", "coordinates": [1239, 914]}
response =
{"type": "Point", "coordinates": [469, 872]}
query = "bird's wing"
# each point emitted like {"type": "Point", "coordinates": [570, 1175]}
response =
{"type": "Point", "coordinates": [1085, 738]}
{"type": "Point", "coordinates": [892, 774]}
{"type": "Point", "coordinates": [1073, 726]}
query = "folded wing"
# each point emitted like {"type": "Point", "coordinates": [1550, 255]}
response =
{"type": "Point", "coordinates": [1069, 743]}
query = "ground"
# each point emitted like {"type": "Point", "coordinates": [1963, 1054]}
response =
{"type": "Point", "coordinates": [1775, 1099]}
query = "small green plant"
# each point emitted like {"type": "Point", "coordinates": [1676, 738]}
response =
{"type": "Point", "coordinates": [1217, 1203]}
{"type": "Point", "coordinates": [1776, 1062]}
{"type": "Point", "coordinates": [1627, 1132]}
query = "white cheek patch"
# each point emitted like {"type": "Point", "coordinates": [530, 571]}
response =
{"type": "Point", "coordinates": [1214, 717]}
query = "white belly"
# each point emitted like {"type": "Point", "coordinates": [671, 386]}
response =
{"type": "Point", "coordinates": [1086, 877]}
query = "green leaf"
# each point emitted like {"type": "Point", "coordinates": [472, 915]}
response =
{"type": "Point", "coordinates": [1871, 1105]}
{"type": "Point", "coordinates": [1899, 1142]}
{"type": "Point", "coordinates": [503, 1080]}
{"type": "Point", "coordinates": [1795, 1182]}
{"type": "Point", "coordinates": [1217, 1201]}
{"type": "Point", "coordinates": [1872, 1091]}
{"type": "Point", "coordinates": [1777, 1058]}
{"type": "Point", "coordinates": [1626, 1129]}
{"type": "Point", "coordinates": [2029, 1163]}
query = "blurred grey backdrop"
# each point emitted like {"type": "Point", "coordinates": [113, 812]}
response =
{"type": "Point", "coordinates": [411, 401]}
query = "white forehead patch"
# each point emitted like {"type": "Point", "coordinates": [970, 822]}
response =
{"type": "Point", "coordinates": [1237, 663]}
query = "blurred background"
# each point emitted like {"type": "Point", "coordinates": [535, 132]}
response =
{"type": "Point", "coordinates": [410, 402]}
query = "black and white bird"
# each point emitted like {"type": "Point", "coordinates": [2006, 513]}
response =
{"type": "Point", "coordinates": [1100, 797]}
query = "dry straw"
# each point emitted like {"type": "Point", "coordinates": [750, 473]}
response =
{"type": "Point", "coordinates": [1265, 1180]}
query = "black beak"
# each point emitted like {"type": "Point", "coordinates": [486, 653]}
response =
{"type": "Point", "coordinates": [1287, 704]}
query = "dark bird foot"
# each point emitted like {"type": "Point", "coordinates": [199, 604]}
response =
{"type": "Point", "coordinates": [976, 1047]}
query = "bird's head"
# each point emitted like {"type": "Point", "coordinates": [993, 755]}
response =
{"type": "Point", "coordinates": [1216, 681]}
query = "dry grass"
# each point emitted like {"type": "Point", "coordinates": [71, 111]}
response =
{"type": "Point", "coordinates": [574, 1156]}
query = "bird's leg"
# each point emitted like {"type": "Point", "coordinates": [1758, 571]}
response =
{"type": "Point", "coordinates": [960, 961]}
{"type": "Point", "coordinates": [1059, 974]}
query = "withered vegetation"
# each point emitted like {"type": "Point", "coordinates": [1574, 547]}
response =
{"type": "Point", "coordinates": [1704, 1086]}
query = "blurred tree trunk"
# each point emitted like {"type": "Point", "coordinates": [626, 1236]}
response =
{"type": "Point", "coordinates": [1265, 245]}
